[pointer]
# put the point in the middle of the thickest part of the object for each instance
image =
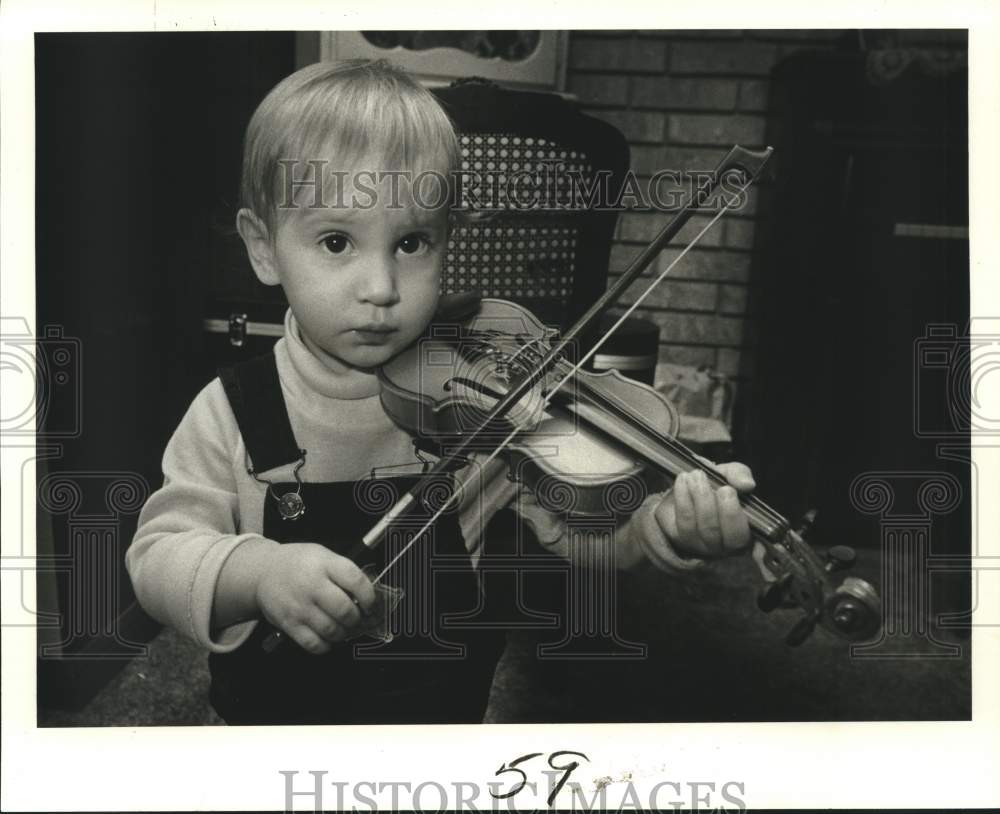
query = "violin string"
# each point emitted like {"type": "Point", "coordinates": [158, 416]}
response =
{"type": "Point", "coordinates": [575, 368]}
{"type": "Point", "coordinates": [444, 507]}
{"type": "Point", "coordinates": [607, 334]}
{"type": "Point", "coordinates": [755, 508]}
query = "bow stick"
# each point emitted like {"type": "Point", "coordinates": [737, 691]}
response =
{"type": "Point", "coordinates": [741, 166]}
{"type": "Point", "coordinates": [745, 165]}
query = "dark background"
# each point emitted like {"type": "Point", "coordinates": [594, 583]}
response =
{"type": "Point", "coordinates": [139, 140]}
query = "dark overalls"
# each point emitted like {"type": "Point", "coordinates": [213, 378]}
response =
{"type": "Point", "coordinates": [435, 670]}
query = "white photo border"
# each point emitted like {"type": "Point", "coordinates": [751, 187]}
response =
{"type": "Point", "coordinates": [811, 765]}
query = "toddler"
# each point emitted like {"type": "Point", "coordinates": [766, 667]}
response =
{"type": "Point", "coordinates": [283, 463]}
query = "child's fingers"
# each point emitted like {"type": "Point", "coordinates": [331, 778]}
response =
{"type": "Point", "coordinates": [338, 605]}
{"type": "Point", "coordinates": [327, 627]}
{"type": "Point", "coordinates": [666, 514]}
{"type": "Point", "coordinates": [706, 512]}
{"type": "Point", "coordinates": [353, 580]}
{"type": "Point", "coordinates": [702, 519]}
{"type": "Point", "coordinates": [710, 464]}
{"type": "Point", "coordinates": [307, 639]}
{"type": "Point", "coordinates": [759, 557]}
{"type": "Point", "coordinates": [739, 475]}
{"type": "Point", "coordinates": [735, 529]}
{"type": "Point", "coordinates": [684, 510]}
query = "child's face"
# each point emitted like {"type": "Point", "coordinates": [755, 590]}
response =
{"type": "Point", "coordinates": [362, 283]}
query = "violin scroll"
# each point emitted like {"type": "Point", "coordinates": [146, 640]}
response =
{"type": "Point", "coordinates": [851, 609]}
{"type": "Point", "coordinates": [854, 611]}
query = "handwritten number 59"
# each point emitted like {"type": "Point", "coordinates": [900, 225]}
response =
{"type": "Point", "coordinates": [512, 767]}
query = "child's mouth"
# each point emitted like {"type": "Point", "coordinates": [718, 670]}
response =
{"type": "Point", "coordinates": [374, 335]}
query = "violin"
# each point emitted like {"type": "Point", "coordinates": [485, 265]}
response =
{"type": "Point", "coordinates": [489, 378]}
{"type": "Point", "coordinates": [591, 446]}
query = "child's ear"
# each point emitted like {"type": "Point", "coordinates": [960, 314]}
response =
{"type": "Point", "coordinates": [259, 247]}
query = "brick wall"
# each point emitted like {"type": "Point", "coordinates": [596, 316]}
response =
{"type": "Point", "coordinates": [682, 98]}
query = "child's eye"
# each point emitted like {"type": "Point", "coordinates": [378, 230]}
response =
{"type": "Point", "coordinates": [335, 244]}
{"type": "Point", "coordinates": [414, 244]}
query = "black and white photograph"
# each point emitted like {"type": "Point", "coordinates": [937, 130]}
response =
{"type": "Point", "coordinates": [584, 417]}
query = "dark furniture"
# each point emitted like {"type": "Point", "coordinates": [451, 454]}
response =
{"type": "Point", "coordinates": [862, 249]}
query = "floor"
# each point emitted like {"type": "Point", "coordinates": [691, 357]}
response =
{"type": "Point", "coordinates": [711, 656]}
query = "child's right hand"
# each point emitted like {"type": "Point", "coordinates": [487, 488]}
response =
{"type": "Point", "coordinates": [313, 595]}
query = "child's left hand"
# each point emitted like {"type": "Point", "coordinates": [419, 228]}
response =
{"type": "Point", "coordinates": [698, 520]}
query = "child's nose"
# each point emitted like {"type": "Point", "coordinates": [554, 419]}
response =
{"type": "Point", "coordinates": [377, 283]}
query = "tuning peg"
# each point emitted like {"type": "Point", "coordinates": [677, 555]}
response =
{"type": "Point", "coordinates": [806, 523]}
{"type": "Point", "coordinates": [773, 595]}
{"type": "Point", "coordinates": [840, 558]}
{"type": "Point", "coordinates": [803, 628]}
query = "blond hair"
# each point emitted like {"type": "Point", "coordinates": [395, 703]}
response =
{"type": "Point", "coordinates": [345, 111]}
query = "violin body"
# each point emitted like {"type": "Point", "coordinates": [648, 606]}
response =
{"type": "Point", "coordinates": [570, 457]}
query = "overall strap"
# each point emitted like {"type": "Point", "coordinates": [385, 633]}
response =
{"type": "Point", "coordinates": [254, 392]}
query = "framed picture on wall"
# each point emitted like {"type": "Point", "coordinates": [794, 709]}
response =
{"type": "Point", "coordinates": [519, 59]}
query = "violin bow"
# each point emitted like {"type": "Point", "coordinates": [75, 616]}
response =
{"type": "Point", "coordinates": [801, 577]}
{"type": "Point", "coordinates": [740, 165]}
